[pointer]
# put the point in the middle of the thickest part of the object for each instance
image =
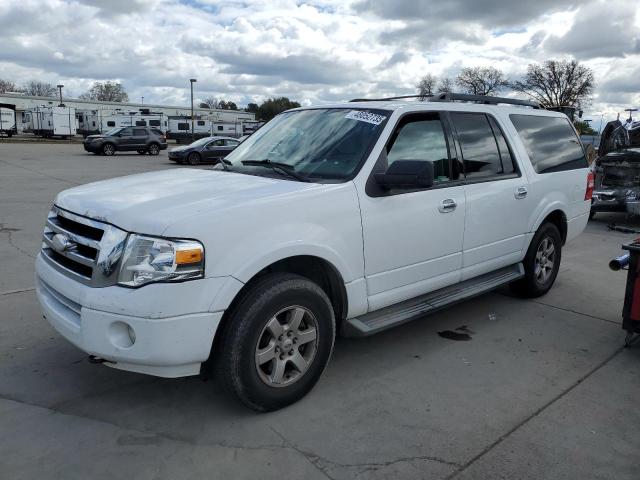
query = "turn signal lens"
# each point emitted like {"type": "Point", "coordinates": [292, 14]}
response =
{"type": "Point", "coordinates": [188, 257]}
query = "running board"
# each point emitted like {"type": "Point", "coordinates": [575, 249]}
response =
{"type": "Point", "coordinates": [414, 308]}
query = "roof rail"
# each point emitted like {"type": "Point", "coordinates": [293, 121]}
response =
{"type": "Point", "coordinates": [486, 99]}
{"type": "Point", "coordinates": [388, 98]}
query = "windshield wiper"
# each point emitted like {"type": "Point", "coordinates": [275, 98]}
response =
{"type": "Point", "coordinates": [280, 167]}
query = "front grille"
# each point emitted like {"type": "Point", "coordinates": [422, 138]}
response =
{"type": "Point", "coordinates": [82, 248]}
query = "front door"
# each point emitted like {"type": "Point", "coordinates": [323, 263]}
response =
{"type": "Point", "coordinates": [214, 150]}
{"type": "Point", "coordinates": [126, 141]}
{"type": "Point", "coordinates": [498, 205]}
{"type": "Point", "coordinates": [413, 239]}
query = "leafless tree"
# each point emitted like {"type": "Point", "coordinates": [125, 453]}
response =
{"type": "Point", "coordinates": [426, 86]}
{"type": "Point", "coordinates": [7, 86]}
{"type": "Point", "coordinates": [557, 83]}
{"type": "Point", "coordinates": [37, 88]}
{"type": "Point", "coordinates": [106, 92]}
{"type": "Point", "coordinates": [446, 84]}
{"type": "Point", "coordinates": [481, 80]}
{"type": "Point", "coordinates": [209, 102]}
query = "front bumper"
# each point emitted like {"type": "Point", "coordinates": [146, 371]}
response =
{"type": "Point", "coordinates": [92, 147]}
{"type": "Point", "coordinates": [177, 155]}
{"type": "Point", "coordinates": [162, 329]}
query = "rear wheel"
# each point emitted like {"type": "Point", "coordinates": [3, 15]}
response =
{"type": "Point", "coordinates": [153, 149]}
{"type": "Point", "coordinates": [108, 149]}
{"type": "Point", "coordinates": [193, 158]}
{"type": "Point", "coordinates": [276, 342]}
{"type": "Point", "coordinates": [542, 262]}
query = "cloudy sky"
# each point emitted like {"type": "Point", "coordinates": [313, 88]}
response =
{"type": "Point", "coordinates": [314, 51]}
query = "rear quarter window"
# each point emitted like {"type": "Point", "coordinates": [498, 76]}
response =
{"type": "Point", "coordinates": [551, 143]}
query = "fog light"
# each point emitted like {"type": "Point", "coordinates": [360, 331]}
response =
{"type": "Point", "coordinates": [122, 335]}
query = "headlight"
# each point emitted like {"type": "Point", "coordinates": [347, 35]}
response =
{"type": "Point", "coordinates": [149, 259]}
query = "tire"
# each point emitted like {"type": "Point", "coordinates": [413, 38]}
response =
{"type": "Point", "coordinates": [539, 276]}
{"type": "Point", "coordinates": [193, 158]}
{"type": "Point", "coordinates": [153, 149]}
{"type": "Point", "coordinates": [108, 149]}
{"type": "Point", "coordinates": [592, 214]}
{"type": "Point", "coordinates": [266, 371]}
{"type": "Point", "coordinates": [141, 152]}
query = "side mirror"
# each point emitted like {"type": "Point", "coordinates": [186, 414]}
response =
{"type": "Point", "coordinates": [406, 174]}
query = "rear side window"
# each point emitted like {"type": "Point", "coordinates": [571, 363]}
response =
{"type": "Point", "coordinates": [139, 132]}
{"type": "Point", "coordinates": [156, 131]}
{"type": "Point", "coordinates": [484, 149]}
{"type": "Point", "coordinates": [551, 143]}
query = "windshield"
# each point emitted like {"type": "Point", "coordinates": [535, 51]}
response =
{"type": "Point", "coordinates": [320, 144]}
{"type": "Point", "coordinates": [113, 131]}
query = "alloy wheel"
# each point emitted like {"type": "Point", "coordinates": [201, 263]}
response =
{"type": "Point", "coordinates": [287, 346]}
{"type": "Point", "coordinates": [545, 260]}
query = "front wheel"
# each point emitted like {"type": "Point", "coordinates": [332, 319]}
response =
{"type": "Point", "coordinates": [276, 342]}
{"type": "Point", "coordinates": [193, 158]}
{"type": "Point", "coordinates": [541, 264]}
{"type": "Point", "coordinates": [108, 149]}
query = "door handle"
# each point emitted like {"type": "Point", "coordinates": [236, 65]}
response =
{"type": "Point", "coordinates": [521, 192]}
{"type": "Point", "coordinates": [447, 205]}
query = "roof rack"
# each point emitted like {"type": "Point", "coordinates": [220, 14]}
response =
{"type": "Point", "coordinates": [388, 98]}
{"type": "Point", "coordinates": [486, 99]}
{"type": "Point", "coordinates": [461, 97]}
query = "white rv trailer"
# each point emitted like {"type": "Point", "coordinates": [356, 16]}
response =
{"type": "Point", "coordinates": [8, 121]}
{"type": "Point", "coordinates": [99, 121]}
{"type": "Point", "coordinates": [53, 121]}
{"type": "Point", "coordinates": [179, 129]}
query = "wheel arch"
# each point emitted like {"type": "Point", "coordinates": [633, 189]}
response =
{"type": "Point", "coordinates": [557, 217]}
{"type": "Point", "coordinates": [315, 268]}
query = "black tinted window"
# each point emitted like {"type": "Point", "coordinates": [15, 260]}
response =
{"type": "Point", "coordinates": [141, 123]}
{"type": "Point", "coordinates": [111, 124]}
{"type": "Point", "coordinates": [139, 132]}
{"type": "Point", "coordinates": [503, 148]}
{"type": "Point", "coordinates": [479, 148]}
{"type": "Point", "coordinates": [421, 137]}
{"type": "Point", "coordinates": [126, 132]}
{"type": "Point", "coordinates": [551, 143]}
{"type": "Point", "coordinates": [183, 126]}
{"type": "Point", "coordinates": [154, 123]}
{"type": "Point", "coordinates": [200, 123]}
{"type": "Point", "coordinates": [219, 127]}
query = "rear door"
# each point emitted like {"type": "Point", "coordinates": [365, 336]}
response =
{"type": "Point", "coordinates": [497, 196]}
{"type": "Point", "coordinates": [140, 138]}
{"type": "Point", "coordinates": [413, 238]}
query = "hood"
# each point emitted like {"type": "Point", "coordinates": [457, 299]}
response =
{"type": "Point", "coordinates": [150, 202]}
{"type": "Point", "coordinates": [180, 149]}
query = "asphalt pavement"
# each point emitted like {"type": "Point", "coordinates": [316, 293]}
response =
{"type": "Point", "coordinates": [543, 390]}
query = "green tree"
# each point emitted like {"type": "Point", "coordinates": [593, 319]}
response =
{"type": "Point", "coordinates": [252, 108]}
{"type": "Point", "coordinates": [557, 83]}
{"type": "Point", "coordinates": [273, 106]}
{"type": "Point", "coordinates": [227, 105]}
{"type": "Point", "coordinates": [106, 92]}
{"type": "Point", "coordinates": [584, 128]}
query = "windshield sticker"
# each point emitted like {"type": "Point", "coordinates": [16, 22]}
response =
{"type": "Point", "coordinates": [368, 117]}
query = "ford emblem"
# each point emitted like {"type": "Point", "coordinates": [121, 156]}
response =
{"type": "Point", "coordinates": [61, 243]}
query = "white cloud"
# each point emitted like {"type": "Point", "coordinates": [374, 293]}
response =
{"type": "Point", "coordinates": [317, 51]}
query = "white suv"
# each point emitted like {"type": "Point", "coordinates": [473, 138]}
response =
{"type": "Point", "coordinates": [349, 218]}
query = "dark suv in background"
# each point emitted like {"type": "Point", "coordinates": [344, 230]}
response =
{"type": "Point", "coordinates": [123, 139]}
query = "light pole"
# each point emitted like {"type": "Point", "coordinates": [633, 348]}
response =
{"type": "Point", "coordinates": [142, 100]}
{"type": "Point", "coordinates": [60, 88]}
{"type": "Point", "coordinates": [192, 81]}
